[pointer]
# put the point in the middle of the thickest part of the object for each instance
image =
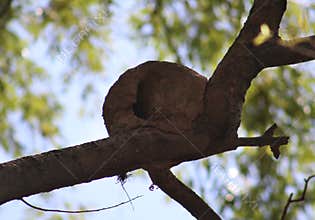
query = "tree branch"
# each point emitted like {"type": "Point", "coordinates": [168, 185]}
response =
{"type": "Point", "coordinates": [4, 8]}
{"type": "Point", "coordinates": [102, 158]}
{"type": "Point", "coordinates": [5, 12]}
{"type": "Point", "coordinates": [94, 160]}
{"type": "Point", "coordinates": [268, 12]}
{"type": "Point", "coordinates": [174, 188]}
{"type": "Point", "coordinates": [285, 52]}
{"type": "Point", "coordinates": [231, 79]}
{"type": "Point", "coordinates": [77, 211]}
{"type": "Point", "coordinates": [266, 139]}
{"type": "Point", "coordinates": [300, 199]}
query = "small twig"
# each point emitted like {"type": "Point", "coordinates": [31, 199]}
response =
{"type": "Point", "coordinates": [76, 211]}
{"type": "Point", "coordinates": [266, 139]}
{"type": "Point", "coordinates": [127, 194]}
{"type": "Point", "coordinates": [300, 199]}
{"type": "Point", "coordinates": [275, 146]}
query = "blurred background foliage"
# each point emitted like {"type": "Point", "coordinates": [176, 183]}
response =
{"type": "Point", "coordinates": [246, 184]}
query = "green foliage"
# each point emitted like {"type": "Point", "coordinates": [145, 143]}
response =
{"type": "Point", "coordinates": [74, 33]}
{"type": "Point", "coordinates": [189, 31]}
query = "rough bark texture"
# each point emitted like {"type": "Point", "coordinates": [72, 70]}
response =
{"type": "Point", "coordinates": [160, 114]}
{"type": "Point", "coordinates": [94, 160]}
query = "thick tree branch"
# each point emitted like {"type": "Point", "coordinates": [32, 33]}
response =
{"type": "Point", "coordinates": [178, 191]}
{"type": "Point", "coordinates": [268, 12]}
{"type": "Point", "coordinates": [103, 158]}
{"type": "Point", "coordinates": [94, 160]}
{"type": "Point", "coordinates": [285, 52]}
{"type": "Point", "coordinates": [231, 79]}
{"type": "Point", "coordinates": [300, 199]}
{"type": "Point", "coordinates": [239, 58]}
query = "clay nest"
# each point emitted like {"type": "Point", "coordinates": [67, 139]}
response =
{"type": "Point", "coordinates": [162, 95]}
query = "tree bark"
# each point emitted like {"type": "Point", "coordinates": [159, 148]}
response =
{"type": "Point", "coordinates": [83, 163]}
{"type": "Point", "coordinates": [94, 160]}
{"type": "Point", "coordinates": [150, 147]}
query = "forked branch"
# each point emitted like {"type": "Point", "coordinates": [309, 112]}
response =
{"type": "Point", "coordinates": [300, 199]}
{"type": "Point", "coordinates": [266, 139]}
